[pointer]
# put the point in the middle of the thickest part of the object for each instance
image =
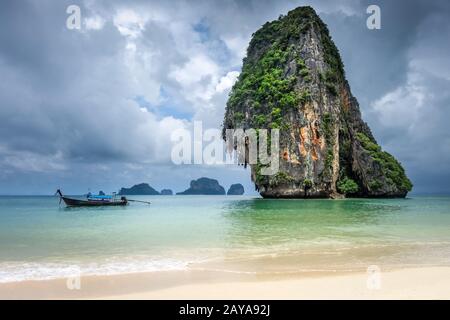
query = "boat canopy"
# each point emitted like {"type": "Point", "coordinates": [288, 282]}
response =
{"type": "Point", "coordinates": [99, 197]}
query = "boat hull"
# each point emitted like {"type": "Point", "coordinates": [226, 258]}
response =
{"type": "Point", "coordinates": [92, 203]}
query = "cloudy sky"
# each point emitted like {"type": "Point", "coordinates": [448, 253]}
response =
{"type": "Point", "coordinates": [95, 108]}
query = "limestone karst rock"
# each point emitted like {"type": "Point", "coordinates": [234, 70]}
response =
{"type": "Point", "coordinates": [166, 192]}
{"type": "Point", "coordinates": [204, 186]}
{"type": "Point", "coordinates": [236, 189]}
{"type": "Point", "coordinates": [293, 79]}
{"type": "Point", "coordinates": [139, 189]}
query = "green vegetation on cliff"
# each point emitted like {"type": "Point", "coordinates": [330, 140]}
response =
{"type": "Point", "coordinates": [263, 84]}
{"type": "Point", "coordinates": [263, 87]}
{"type": "Point", "coordinates": [347, 186]}
{"type": "Point", "coordinates": [391, 168]}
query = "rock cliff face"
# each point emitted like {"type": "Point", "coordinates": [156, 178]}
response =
{"type": "Point", "coordinates": [204, 186]}
{"type": "Point", "coordinates": [293, 79]}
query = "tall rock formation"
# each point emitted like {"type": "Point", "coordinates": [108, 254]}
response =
{"type": "Point", "coordinates": [293, 79]}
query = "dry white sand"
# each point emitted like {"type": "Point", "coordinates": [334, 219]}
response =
{"type": "Point", "coordinates": [422, 283]}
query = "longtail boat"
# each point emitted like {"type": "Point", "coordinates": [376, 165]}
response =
{"type": "Point", "coordinates": [93, 201]}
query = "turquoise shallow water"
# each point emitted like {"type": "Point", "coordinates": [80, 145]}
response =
{"type": "Point", "coordinates": [41, 240]}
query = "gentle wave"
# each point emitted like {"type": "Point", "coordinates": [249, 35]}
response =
{"type": "Point", "coordinates": [17, 271]}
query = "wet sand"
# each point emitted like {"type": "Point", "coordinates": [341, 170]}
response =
{"type": "Point", "coordinates": [414, 283]}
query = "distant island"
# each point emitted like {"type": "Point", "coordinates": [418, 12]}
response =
{"type": "Point", "coordinates": [236, 189]}
{"type": "Point", "coordinates": [139, 189]}
{"type": "Point", "coordinates": [204, 186]}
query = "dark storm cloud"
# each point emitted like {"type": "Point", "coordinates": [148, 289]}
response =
{"type": "Point", "coordinates": [105, 99]}
{"type": "Point", "coordinates": [67, 91]}
{"type": "Point", "coordinates": [377, 60]}
{"type": "Point", "coordinates": [403, 89]}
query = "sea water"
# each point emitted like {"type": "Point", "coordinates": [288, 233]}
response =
{"type": "Point", "coordinates": [41, 239]}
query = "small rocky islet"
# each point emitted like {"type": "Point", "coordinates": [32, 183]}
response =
{"type": "Point", "coordinates": [204, 186]}
{"type": "Point", "coordinates": [166, 192]}
{"type": "Point", "coordinates": [139, 189]}
{"type": "Point", "coordinates": [236, 189]}
{"type": "Point", "coordinates": [293, 79]}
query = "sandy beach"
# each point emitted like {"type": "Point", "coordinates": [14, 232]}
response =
{"type": "Point", "coordinates": [416, 283]}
